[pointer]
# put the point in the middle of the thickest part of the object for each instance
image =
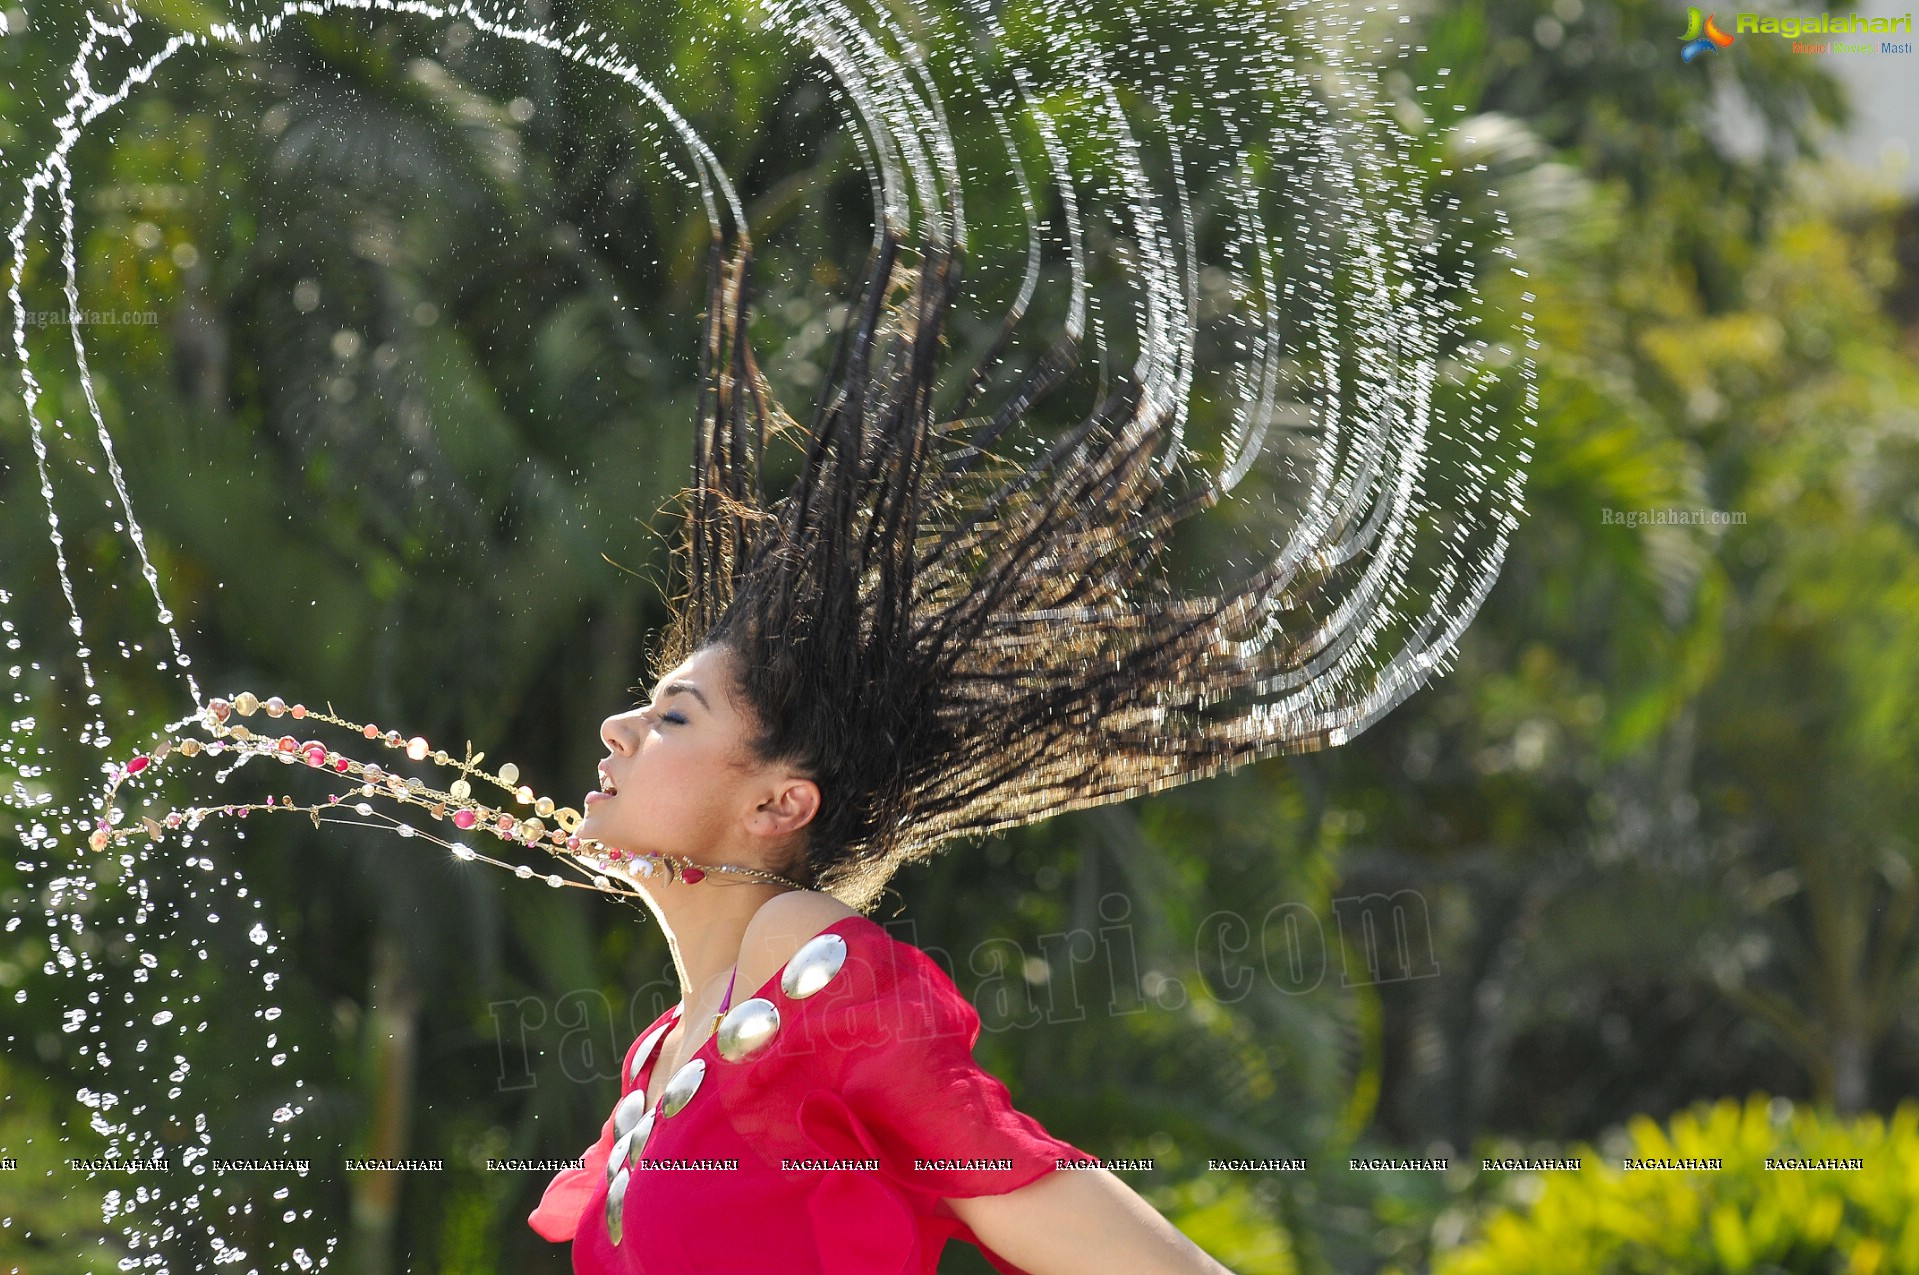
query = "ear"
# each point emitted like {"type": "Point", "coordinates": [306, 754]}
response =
{"type": "Point", "coordinates": [789, 805]}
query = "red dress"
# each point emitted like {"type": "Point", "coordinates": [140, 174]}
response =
{"type": "Point", "coordinates": [867, 1078]}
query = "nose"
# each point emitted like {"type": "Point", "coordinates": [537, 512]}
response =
{"type": "Point", "coordinates": [614, 733]}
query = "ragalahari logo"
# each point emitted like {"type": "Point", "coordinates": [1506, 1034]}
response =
{"type": "Point", "coordinates": [1701, 36]}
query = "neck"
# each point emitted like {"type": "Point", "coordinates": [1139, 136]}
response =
{"type": "Point", "coordinates": [704, 924]}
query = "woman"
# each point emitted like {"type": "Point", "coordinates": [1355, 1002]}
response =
{"type": "Point", "coordinates": [919, 641]}
{"type": "Point", "coordinates": [684, 779]}
{"type": "Point", "coordinates": [816, 728]}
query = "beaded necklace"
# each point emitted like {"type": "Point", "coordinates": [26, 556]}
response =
{"type": "Point", "coordinates": [453, 803]}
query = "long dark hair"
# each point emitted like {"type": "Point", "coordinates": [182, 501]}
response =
{"type": "Point", "coordinates": [949, 645]}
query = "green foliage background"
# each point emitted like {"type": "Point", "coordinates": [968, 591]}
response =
{"type": "Point", "coordinates": [423, 300]}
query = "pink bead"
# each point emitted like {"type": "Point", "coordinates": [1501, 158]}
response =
{"type": "Point", "coordinates": [288, 744]}
{"type": "Point", "coordinates": [464, 819]}
{"type": "Point", "coordinates": [316, 755]}
{"type": "Point", "coordinates": [137, 765]}
{"type": "Point", "coordinates": [692, 875]}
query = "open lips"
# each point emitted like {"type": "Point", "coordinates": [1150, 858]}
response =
{"type": "Point", "coordinates": [606, 789]}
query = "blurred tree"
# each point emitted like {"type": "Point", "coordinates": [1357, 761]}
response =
{"type": "Point", "coordinates": [1658, 807]}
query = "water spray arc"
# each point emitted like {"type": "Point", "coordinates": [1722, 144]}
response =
{"type": "Point", "coordinates": [1356, 383]}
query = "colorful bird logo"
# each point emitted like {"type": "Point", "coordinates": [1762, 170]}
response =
{"type": "Point", "coordinates": [1701, 36]}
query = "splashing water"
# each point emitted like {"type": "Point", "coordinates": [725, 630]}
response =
{"type": "Point", "coordinates": [1239, 218]}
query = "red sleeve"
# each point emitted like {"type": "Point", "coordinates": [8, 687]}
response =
{"type": "Point", "coordinates": [568, 1194]}
{"type": "Point", "coordinates": [900, 1036]}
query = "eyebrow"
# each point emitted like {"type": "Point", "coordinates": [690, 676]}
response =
{"type": "Point", "coordinates": [690, 689]}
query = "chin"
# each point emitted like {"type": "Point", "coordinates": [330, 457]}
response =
{"type": "Point", "coordinates": [602, 831]}
{"type": "Point", "coordinates": [608, 833]}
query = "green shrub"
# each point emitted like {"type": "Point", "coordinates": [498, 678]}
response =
{"type": "Point", "coordinates": [1604, 1220]}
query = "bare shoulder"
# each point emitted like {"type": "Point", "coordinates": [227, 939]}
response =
{"type": "Point", "coordinates": [781, 927]}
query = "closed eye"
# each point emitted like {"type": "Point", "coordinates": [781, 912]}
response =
{"type": "Point", "coordinates": [675, 718]}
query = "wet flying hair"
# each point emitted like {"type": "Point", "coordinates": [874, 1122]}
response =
{"type": "Point", "coordinates": [951, 645]}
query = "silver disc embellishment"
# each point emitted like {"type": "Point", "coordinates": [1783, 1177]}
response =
{"type": "Point", "coordinates": [813, 966]}
{"type": "Point", "coordinates": [617, 1158]}
{"type": "Point", "coordinates": [628, 1113]}
{"type": "Point", "coordinates": [615, 1201]}
{"type": "Point", "coordinates": [645, 1051]}
{"type": "Point", "coordinates": [747, 1027]}
{"type": "Point", "coordinates": [680, 1090]}
{"type": "Point", "coordinates": [635, 1147]}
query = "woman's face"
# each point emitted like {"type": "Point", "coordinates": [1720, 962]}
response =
{"type": "Point", "coordinates": [680, 778]}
